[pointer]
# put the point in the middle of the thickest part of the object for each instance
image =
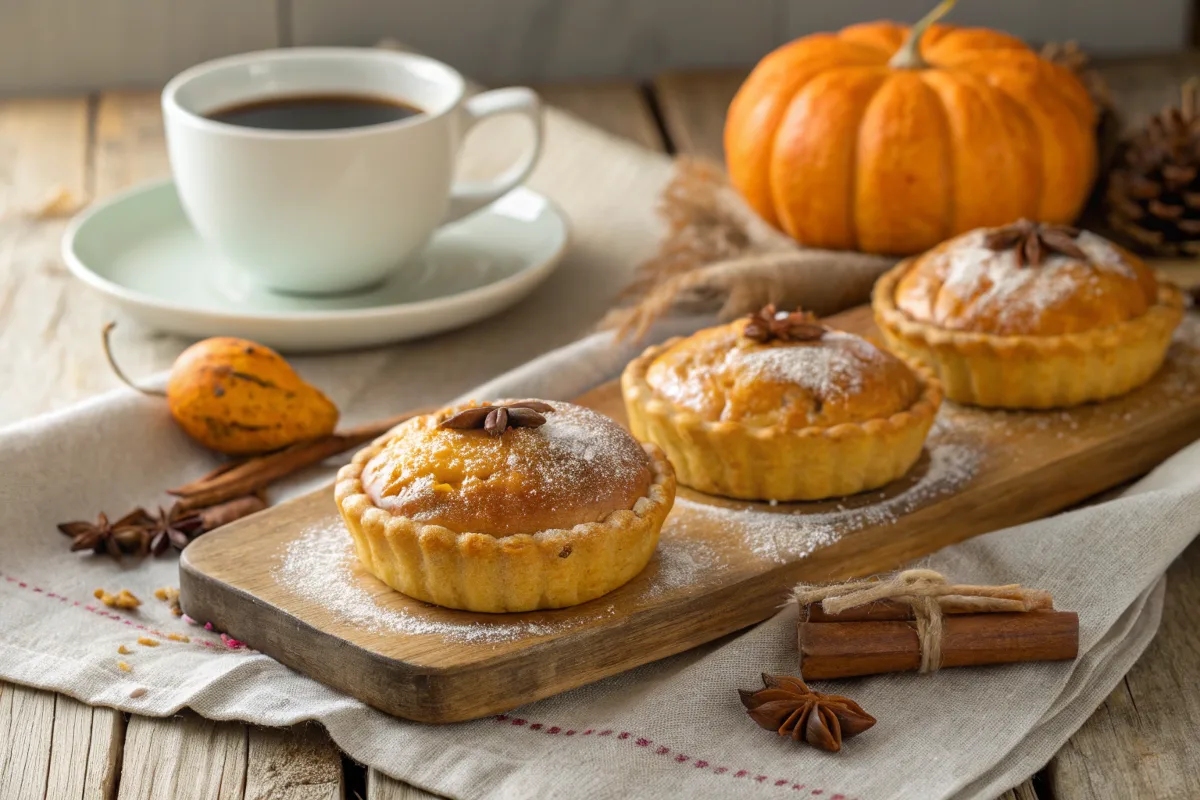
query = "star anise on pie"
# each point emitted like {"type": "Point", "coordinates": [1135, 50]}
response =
{"type": "Point", "coordinates": [497, 419]}
{"type": "Point", "coordinates": [126, 535]}
{"type": "Point", "coordinates": [171, 528]}
{"type": "Point", "coordinates": [767, 324]}
{"type": "Point", "coordinates": [1035, 241]}
{"type": "Point", "coordinates": [786, 705]}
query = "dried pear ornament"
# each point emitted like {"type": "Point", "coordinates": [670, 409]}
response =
{"type": "Point", "coordinates": [238, 397]}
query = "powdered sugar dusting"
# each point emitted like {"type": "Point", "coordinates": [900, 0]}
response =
{"type": "Point", "coordinates": [321, 567]}
{"type": "Point", "coordinates": [783, 536]}
{"type": "Point", "coordinates": [681, 562]}
{"type": "Point", "coordinates": [584, 440]}
{"type": "Point", "coordinates": [995, 285]}
{"type": "Point", "coordinates": [831, 366]}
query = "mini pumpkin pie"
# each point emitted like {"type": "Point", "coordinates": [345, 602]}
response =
{"type": "Point", "coordinates": [779, 407]}
{"type": "Point", "coordinates": [512, 507]}
{"type": "Point", "coordinates": [1029, 316]}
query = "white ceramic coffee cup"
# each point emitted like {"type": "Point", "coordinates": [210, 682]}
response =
{"type": "Point", "coordinates": [330, 211]}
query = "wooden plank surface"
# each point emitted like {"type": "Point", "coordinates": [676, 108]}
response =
{"type": "Point", "coordinates": [183, 758]}
{"type": "Point", "coordinates": [693, 109]}
{"type": "Point", "coordinates": [44, 150]}
{"type": "Point", "coordinates": [383, 787]}
{"type": "Point", "coordinates": [619, 108]}
{"type": "Point", "coordinates": [27, 730]}
{"type": "Point", "coordinates": [1025, 791]}
{"type": "Point", "coordinates": [292, 764]}
{"type": "Point", "coordinates": [85, 756]}
{"type": "Point", "coordinates": [53, 746]}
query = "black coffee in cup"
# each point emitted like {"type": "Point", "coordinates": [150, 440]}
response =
{"type": "Point", "coordinates": [317, 112]}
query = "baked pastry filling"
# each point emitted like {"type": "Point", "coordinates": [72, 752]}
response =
{"type": "Point", "coordinates": [579, 466]}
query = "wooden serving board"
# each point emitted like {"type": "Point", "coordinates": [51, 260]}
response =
{"type": "Point", "coordinates": [284, 581]}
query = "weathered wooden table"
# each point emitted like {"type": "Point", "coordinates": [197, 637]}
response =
{"type": "Point", "coordinates": [1141, 743]}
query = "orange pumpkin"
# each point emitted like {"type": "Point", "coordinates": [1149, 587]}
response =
{"type": "Point", "coordinates": [888, 139]}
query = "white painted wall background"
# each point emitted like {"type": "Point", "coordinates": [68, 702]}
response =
{"type": "Point", "coordinates": [78, 45]}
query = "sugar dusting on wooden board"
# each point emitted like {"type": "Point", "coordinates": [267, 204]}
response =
{"type": "Point", "coordinates": [789, 534]}
{"type": "Point", "coordinates": [1177, 382]}
{"type": "Point", "coordinates": [320, 566]}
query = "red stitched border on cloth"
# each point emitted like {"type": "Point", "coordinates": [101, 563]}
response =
{"type": "Point", "coordinates": [662, 750]}
{"type": "Point", "coordinates": [107, 614]}
{"type": "Point", "coordinates": [553, 730]}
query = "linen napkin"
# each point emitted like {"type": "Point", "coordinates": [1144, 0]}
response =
{"type": "Point", "coordinates": [674, 727]}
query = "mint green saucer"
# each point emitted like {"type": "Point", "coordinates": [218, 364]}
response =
{"type": "Point", "coordinates": [138, 250]}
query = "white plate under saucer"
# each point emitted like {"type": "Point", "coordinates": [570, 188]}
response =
{"type": "Point", "coordinates": [138, 249]}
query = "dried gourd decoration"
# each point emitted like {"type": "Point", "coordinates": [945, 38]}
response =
{"type": "Point", "coordinates": [238, 397]}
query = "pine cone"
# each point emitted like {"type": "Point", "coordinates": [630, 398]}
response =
{"type": "Point", "coordinates": [1153, 195]}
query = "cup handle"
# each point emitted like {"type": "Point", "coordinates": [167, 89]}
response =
{"type": "Point", "coordinates": [470, 196]}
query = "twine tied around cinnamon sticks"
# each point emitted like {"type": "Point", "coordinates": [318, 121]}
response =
{"type": "Point", "coordinates": [930, 596]}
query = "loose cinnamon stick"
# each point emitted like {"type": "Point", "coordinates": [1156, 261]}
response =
{"type": "Point", "coordinates": [846, 649]}
{"type": "Point", "coordinates": [255, 474]}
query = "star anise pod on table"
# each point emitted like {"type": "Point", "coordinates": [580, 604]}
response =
{"type": "Point", "coordinates": [1035, 241]}
{"type": "Point", "coordinates": [767, 324]}
{"type": "Point", "coordinates": [126, 535]}
{"type": "Point", "coordinates": [497, 419]}
{"type": "Point", "coordinates": [171, 528]}
{"type": "Point", "coordinates": [786, 705]}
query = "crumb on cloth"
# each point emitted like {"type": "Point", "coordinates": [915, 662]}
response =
{"type": "Point", "coordinates": [170, 596]}
{"type": "Point", "coordinates": [124, 599]}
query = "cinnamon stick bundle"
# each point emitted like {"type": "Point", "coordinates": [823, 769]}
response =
{"type": "Point", "coordinates": [918, 620]}
{"type": "Point", "coordinates": [847, 649]}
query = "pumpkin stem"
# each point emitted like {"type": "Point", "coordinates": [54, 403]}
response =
{"type": "Point", "coordinates": [112, 362]}
{"type": "Point", "coordinates": [909, 54]}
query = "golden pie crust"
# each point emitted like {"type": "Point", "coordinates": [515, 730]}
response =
{"type": "Point", "coordinates": [779, 421]}
{"type": "Point", "coordinates": [536, 518]}
{"type": "Point", "coordinates": [1052, 336]}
